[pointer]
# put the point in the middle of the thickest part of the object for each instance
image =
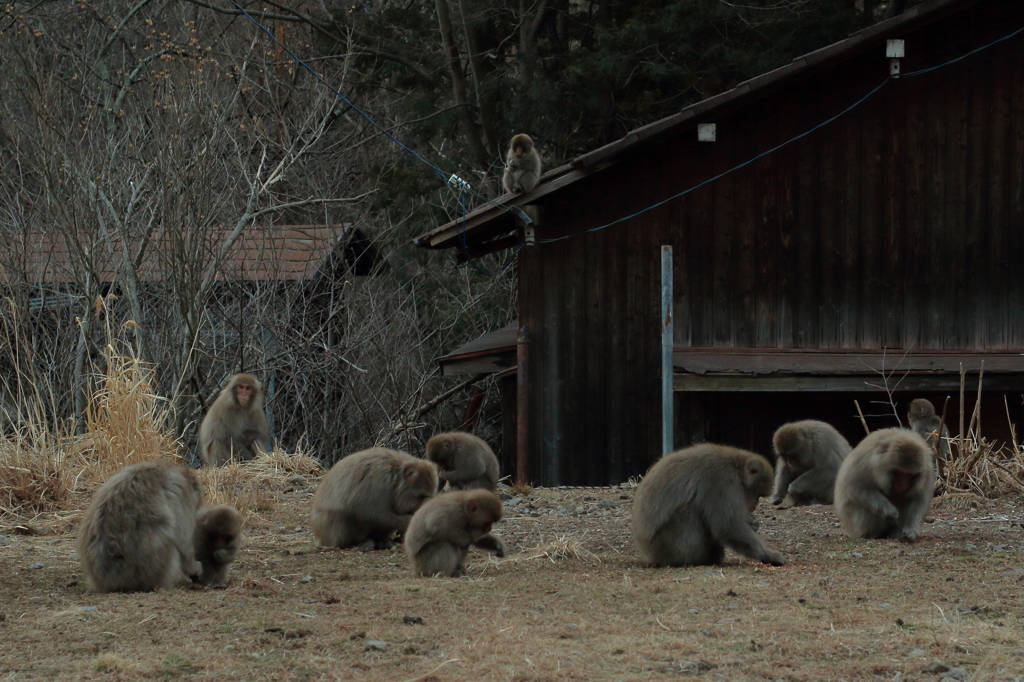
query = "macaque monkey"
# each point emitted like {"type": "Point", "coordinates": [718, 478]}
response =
{"type": "Point", "coordinates": [442, 530]}
{"type": "Point", "coordinates": [465, 461]}
{"type": "Point", "coordinates": [136, 535]}
{"type": "Point", "coordinates": [235, 426]}
{"type": "Point", "coordinates": [810, 454]}
{"type": "Point", "coordinates": [925, 423]}
{"type": "Point", "coordinates": [370, 495]}
{"type": "Point", "coordinates": [522, 165]}
{"type": "Point", "coordinates": [695, 502]}
{"type": "Point", "coordinates": [885, 486]}
{"type": "Point", "coordinates": [217, 541]}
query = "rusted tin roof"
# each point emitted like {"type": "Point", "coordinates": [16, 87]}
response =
{"type": "Point", "coordinates": [261, 253]}
{"type": "Point", "coordinates": [494, 219]}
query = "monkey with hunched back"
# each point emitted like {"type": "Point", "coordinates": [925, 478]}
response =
{"type": "Point", "coordinates": [522, 165]}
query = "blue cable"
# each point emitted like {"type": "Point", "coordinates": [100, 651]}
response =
{"type": "Point", "coordinates": [963, 56]}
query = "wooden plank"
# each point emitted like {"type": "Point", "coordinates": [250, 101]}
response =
{"type": "Point", "coordinates": [744, 271]}
{"type": "Point", "coordinates": [725, 244]}
{"type": "Point", "coordinates": [974, 317]}
{"type": "Point", "coordinates": [508, 397]}
{"type": "Point", "coordinates": [873, 130]}
{"type": "Point", "coordinates": [723, 385]}
{"type": "Point", "coordinates": [841, 362]}
{"type": "Point", "coordinates": [936, 256]}
{"type": "Point", "coordinates": [1015, 199]}
{"type": "Point", "coordinates": [787, 172]}
{"type": "Point", "coordinates": [700, 256]}
{"type": "Point", "coordinates": [831, 263]}
{"type": "Point", "coordinates": [600, 361]}
{"type": "Point", "coordinates": [617, 371]}
{"type": "Point", "coordinates": [766, 232]}
{"type": "Point", "coordinates": [954, 241]}
{"type": "Point", "coordinates": [809, 253]}
{"type": "Point", "coordinates": [574, 351]}
{"type": "Point", "coordinates": [447, 235]}
{"type": "Point", "coordinates": [915, 96]}
{"type": "Point", "coordinates": [849, 135]}
{"type": "Point", "coordinates": [999, 230]}
{"type": "Point", "coordinates": [893, 281]}
{"type": "Point", "coordinates": [667, 304]}
{"type": "Point", "coordinates": [547, 362]}
{"type": "Point", "coordinates": [485, 364]}
{"type": "Point", "coordinates": [530, 277]}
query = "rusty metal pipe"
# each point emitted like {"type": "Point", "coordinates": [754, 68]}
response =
{"type": "Point", "coordinates": [522, 402]}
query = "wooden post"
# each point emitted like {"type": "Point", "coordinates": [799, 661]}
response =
{"type": "Point", "coordinates": [667, 416]}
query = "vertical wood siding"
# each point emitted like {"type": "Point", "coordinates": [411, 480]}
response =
{"type": "Point", "coordinates": [898, 225]}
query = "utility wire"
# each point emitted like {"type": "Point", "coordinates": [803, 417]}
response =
{"type": "Point", "coordinates": [780, 146]}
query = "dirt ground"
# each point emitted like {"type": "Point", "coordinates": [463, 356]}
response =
{"type": "Point", "coordinates": [571, 602]}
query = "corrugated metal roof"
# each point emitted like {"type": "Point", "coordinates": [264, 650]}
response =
{"type": "Point", "coordinates": [483, 218]}
{"type": "Point", "coordinates": [261, 253]}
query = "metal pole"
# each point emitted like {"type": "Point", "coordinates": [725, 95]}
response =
{"type": "Point", "coordinates": [522, 403]}
{"type": "Point", "coordinates": [667, 420]}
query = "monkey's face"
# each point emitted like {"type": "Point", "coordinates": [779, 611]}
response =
{"type": "Point", "coordinates": [243, 394]}
{"type": "Point", "coordinates": [519, 151]}
{"type": "Point", "coordinates": [904, 480]}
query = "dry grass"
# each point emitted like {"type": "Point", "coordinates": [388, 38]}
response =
{"type": "Point", "coordinates": [839, 611]}
{"type": "Point", "coordinates": [253, 485]}
{"type": "Point", "coordinates": [978, 467]}
{"type": "Point", "coordinates": [47, 468]}
{"type": "Point", "coordinates": [559, 549]}
{"type": "Point", "coordinates": [126, 422]}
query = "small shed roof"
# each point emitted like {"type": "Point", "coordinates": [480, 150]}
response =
{"type": "Point", "coordinates": [492, 352]}
{"type": "Point", "coordinates": [268, 252]}
{"type": "Point", "coordinates": [494, 219]}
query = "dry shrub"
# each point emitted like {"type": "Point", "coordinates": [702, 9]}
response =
{"type": "Point", "coordinates": [34, 472]}
{"type": "Point", "coordinates": [978, 468]}
{"type": "Point", "coordinates": [125, 421]}
{"type": "Point", "coordinates": [44, 466]}
{"type": "Point", "coordinates": [252, 485]}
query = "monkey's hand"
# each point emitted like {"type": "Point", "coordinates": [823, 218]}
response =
{"type": "Point", "coordinates": [491, 543]}
{"type": "Point", "coordinates": [194, 571]}
{"type": "Point", "coordinates": [773, 558]}
{"type": "Point", "coordinates": [754, 524]}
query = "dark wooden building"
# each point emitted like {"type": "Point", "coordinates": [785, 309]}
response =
{"type": "Point", "coordinates": [847, 230]}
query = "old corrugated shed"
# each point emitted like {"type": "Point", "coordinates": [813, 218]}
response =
{"type": "Point", "coordinates": [846, 230]}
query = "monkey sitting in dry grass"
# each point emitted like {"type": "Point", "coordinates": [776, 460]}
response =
{"type": "Point", "coordinates": [235, 425]}
{"type": "Point", "coordinates": [370, 495]}
{"type": "Point", "coordinates": [465, 461]}
{"type": "Point", "coordinates": [885, 486]}
{"type": "Point", "coordinates": [443, 529]}
{"type": "Point", "coordinates": [810, 453]}
{"type": "Point", "coordinates": [695, 502]}
{"type": "Point", "coordinates": [218, 539]}
{"type": "Point", "coordinates": [136, 534]}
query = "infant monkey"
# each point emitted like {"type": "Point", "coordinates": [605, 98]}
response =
{"type": "Point", "coordinates": [442, 530]}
